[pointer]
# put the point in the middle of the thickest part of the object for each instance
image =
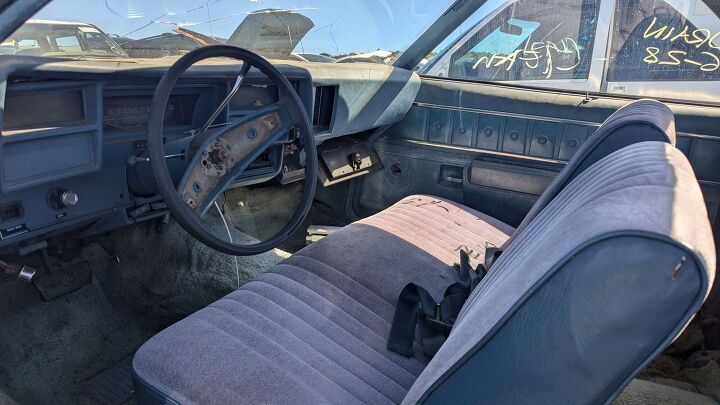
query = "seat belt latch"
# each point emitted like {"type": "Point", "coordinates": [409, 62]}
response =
{"type": "Point", "coordinates": [438, 324]}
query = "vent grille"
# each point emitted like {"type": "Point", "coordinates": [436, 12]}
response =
{"type": "Point", "coordinates": [323, 108]}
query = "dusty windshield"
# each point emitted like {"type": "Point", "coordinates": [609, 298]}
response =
{"type": "Point", "coordinates": [322, 31]}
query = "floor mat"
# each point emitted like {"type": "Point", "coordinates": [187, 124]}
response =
{"type": "Point", "coordinates": [112, 386]}
{"type": "Point", "coordinates": [57, 351]}
{"type": "Point", "coordinates": [48, 349]}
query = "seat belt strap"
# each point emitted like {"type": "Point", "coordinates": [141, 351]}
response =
{"type": "Point", "coordinates": [434, 321]}
{"type": "Point", "coordinates": [402, 330]}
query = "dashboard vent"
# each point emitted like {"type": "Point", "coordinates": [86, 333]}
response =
{"type": "Point", "coordinates": [323, 109]}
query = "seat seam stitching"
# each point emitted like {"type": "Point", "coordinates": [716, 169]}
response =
{"type": "Point", "coordinates": [408, 218]}
{"type": "Point", "coordinates": [383, 338]}
{"type": "Point", "coordinates": [220, 309]}
{"type": "Point", "coordinates": [340, 328]}
{"type": "Point", "coordinates": [446, 255]}
{"type": "Point", "coordinates": [446, 223]}
{"type": "Point", "coordinates": [275, 362]}
{"type": "Point", "coordinates": [401, 386]}
{"type": "Point", "coordinates": [332, 303]}
{"type": "Point", "coordinates": [446, 220]}
{"type": "Point", "coordinates": [300, 254]}
{"type": "Point", "coordinates": [332, 285]}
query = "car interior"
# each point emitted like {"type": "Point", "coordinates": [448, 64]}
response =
{"type": "Point", "coordinates": [246, 212]}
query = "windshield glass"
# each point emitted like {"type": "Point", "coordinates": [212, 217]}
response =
{"type": "Point", "coordinates": [322, 31]}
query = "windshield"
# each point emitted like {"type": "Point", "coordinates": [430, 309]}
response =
{"type": "Point", "coordinates": [320, 31]}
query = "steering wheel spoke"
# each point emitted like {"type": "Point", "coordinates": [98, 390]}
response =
{"type": "Point", "coordinates": [226, 155]}
{"type": "Point", "coordinates": [220, 108]}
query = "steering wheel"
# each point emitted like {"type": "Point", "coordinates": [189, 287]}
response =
{"type": "Point", "coordinates": [224, 154]}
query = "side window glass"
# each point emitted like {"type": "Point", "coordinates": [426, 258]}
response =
{"type": "Point", "coordinates": [28, 44]}
{"type": "Point", "coordinates": [653, 41]}
{"type": "Point", "coordinates": [68, 43]}
{"type": "Point", "coordinates": [525, 40]}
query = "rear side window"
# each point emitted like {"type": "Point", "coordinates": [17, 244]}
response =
{"type": "Point", "coordinates": [526, 40]}
{"type": "Point", "coordinates": [653, 41]}
{"type": "Point", "coordinates": [68, 43]}
{"type": "Point", "coordinates": [28, 44]}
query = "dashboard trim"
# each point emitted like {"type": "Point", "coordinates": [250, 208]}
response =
{"type": "Point", "coordinates": [367, 96]}
{"type": "Point", "coordinates": [25, 141]}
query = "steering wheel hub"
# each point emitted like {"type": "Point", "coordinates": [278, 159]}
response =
{"type": "Point", "coordinates": [217, 158]}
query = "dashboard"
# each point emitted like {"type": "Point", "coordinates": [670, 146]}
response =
{"type": "Point", "coordinates": [73, 134]}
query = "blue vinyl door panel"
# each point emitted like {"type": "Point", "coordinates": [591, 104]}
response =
{"type": "Point", "coordinates": [454, 123]}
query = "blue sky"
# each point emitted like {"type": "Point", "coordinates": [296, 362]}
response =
{"type": "Point", "coordinates": [340, 25]}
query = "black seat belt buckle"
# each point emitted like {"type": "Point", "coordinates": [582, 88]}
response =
{"type": "Point", "coordinates": [438, 324]}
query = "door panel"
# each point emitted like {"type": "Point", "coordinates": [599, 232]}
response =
{"type": "Point", "coordinates": [544, 139]}
{"type": "Point", "coordinates": [507, 190]}
{"type": "Point", "coordinates": [462, 125]}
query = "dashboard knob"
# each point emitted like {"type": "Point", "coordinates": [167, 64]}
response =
{"type": "Point", "coordinates": [59, 198]}
{"type": "Point", "coordinates": [69, 198]}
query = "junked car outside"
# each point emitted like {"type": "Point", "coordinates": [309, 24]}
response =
{"type": "Point", "coordinates": [61, 39]}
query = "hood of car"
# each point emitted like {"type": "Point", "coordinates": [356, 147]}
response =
{"type": "Point", "coordinates": [273, 33]}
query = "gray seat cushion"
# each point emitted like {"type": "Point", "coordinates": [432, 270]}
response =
{"type": "Point", "coordinates": [313, 329]}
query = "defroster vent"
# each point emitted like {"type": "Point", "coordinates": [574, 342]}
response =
{"type": "Point", "coordinates": [323, 108]}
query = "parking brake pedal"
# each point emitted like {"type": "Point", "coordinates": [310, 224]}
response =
{"type": "Point", "coordinates": [317, 232]}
